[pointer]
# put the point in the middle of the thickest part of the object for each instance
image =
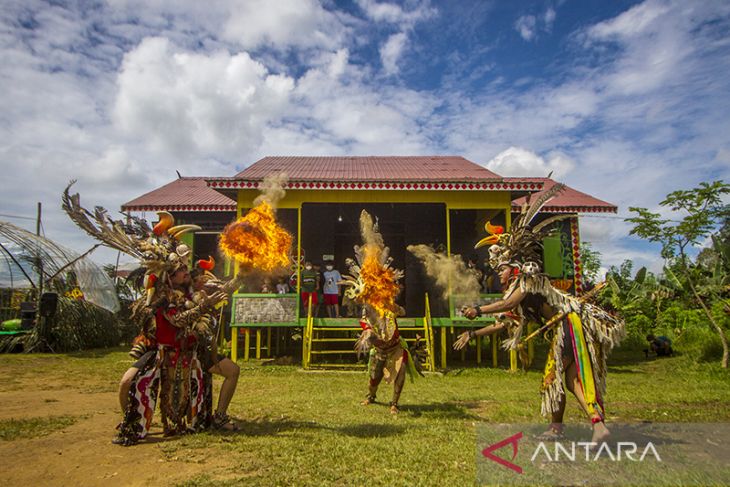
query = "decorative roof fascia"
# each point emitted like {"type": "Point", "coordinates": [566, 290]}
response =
{"type": "Point", "coordinates": [218, 208]}
{"type": "Point", "coordinates": [496, 185]}
{"type": "Point", "coordinates": [574, 209]}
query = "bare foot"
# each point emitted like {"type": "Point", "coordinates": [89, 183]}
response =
{"type": "Point", "coordinates": [368, 400]}
{"type": "Point", "coordinates": [553, 433]}
{"type": "Point", "coordinates": [222, 422]}
{"type": "Point", "coordinates": [394, 409]}
{"type": "Point", "coordinates": [600, 433]}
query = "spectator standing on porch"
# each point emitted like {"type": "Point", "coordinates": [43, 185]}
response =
{"type": "Point", "coordinates": [331, 290]}
{"type": "Point", "coordinates": [310, 281]}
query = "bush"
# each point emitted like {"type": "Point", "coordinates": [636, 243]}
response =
{"type": "Point", "coordinates": [79, 325]}
{"type": "Point", "coordinates": [677, 319]}
{"type": "Point", "coordinates": [637, 327]}
{"type": "Point", "coordinates": [700, 343]}
{"type": "Point", "coordinates": [688, 329]}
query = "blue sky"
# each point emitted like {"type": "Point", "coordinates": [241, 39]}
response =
{"type": "Point", "coordinates": [624, 100]}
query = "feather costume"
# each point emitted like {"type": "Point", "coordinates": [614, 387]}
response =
{"type": "Point", "coordinates": [585, 333]}
{"type": "Point", "coordinates": [373, 283]}
{"type": "Point", "coordinates": [171, 322]}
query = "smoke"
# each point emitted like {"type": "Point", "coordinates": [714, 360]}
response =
{"type": "Point", "coordinates": [445, 270]}
{"type": "Point", "coordinates": [369, 230]}
{"type": "Point", "coordinates": [272, 190]}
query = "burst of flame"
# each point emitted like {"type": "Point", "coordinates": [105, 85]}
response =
{"type": "Point", "coordinates": [256, 240]}
{"type": "Point", "coordinates": [381, 288]}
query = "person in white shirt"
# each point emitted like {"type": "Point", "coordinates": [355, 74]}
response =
{"type": "Point", "coordinates": [331, 290]}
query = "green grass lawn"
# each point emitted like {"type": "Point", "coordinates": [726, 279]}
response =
{"type": "Point", "coordinates": [307, 428]}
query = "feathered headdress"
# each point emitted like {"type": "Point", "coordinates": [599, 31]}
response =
{"type": "Point", "coordinates": [159, 249]}
{"type": "Point", "coordinates": [372, 280]}
{"type": "Point", "coordinates": [522, 244]}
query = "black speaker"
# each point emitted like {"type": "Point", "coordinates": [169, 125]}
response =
{"type": "Point", "coordinates": [48, 304]}
{"type": "Point", "coordinates": [27, 315]}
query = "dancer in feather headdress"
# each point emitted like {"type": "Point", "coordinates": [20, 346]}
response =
{"type": "Point", "coordinates": [373, 283]}
{"type": "Point", "coordinates": [171, 365]}
{"type": "Point", "coordinates": [581, 334]}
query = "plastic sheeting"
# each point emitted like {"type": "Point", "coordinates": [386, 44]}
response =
{"type": "Point", "coordinates": [97, 286]}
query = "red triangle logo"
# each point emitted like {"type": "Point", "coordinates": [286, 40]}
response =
{"type": "Point", "coordinates": [513, 440]}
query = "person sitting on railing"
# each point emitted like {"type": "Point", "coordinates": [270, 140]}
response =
{"type": "Point", "coordinates": [282, 287]}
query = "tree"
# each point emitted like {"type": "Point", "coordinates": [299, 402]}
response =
{"type": "Point", "coordinates": [591, 263]}
{"type": "Point", "coordinates": [699, 212]}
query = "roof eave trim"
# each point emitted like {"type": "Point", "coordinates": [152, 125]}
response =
{"type": "Point", "coordinates": [179, 208]}
{"type": "Point", "coordinates": [493, 185]}
{"type": "Point", "coordinates": [574, 209]}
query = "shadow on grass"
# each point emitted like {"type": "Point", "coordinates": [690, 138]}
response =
{"type": "Point", "coordinates": [369, 430]}
{"type": "Point", "coordinates": [640, 433]}
{"type": "Point", "coordinates": [275, 427]}
{"type": "Point", "coordinates": [270, 427]}
{"type": "Point", "coordinates": [445, 410]}
{"type": "Point", "coordinates": [616, 370]}
{"type": "Point", "coordinates": [96, 352]}
{"type": "Point", "coordinates": [158, 437]}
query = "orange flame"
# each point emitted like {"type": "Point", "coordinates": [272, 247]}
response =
{"type": "Point", "coordinates": [380, 288]}
{"type": "Point", "coordinates": [256, 240]}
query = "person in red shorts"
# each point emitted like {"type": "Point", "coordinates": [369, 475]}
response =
{"type": "Point", "coordinates": [331, 290]}
{"type": "Point", "coordinates": [309, 287]}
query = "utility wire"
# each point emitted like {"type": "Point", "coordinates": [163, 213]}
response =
{"type": "Point", "coordinates": [17, 216]}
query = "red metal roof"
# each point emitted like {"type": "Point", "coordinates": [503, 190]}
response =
{"type": "Point", "coordinates": [369, 168]}
{"type": "Point", "coordinates": [568, 201]}
{"type": "Point", "coordinates": [182, 194]}
{"type": "Point", "coordinates": [416, 173]}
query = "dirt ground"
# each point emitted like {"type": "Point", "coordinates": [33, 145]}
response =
{"type": "Point", "coordinates": [82, 454]}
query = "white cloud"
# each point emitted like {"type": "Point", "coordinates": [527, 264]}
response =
{"type": "Point", "coordinates": [122, 95]}
{"type": "Point", "coordinates": [338, 63]}
{"type": "Point", "coordinates": [526, 26]}
{"type": "Point", "coordinates": [549, 18]}
{"type": "Point", "coordinates": [517, 161]}
{"type": "Point", "coordinates": [658, 40]}
{"type": "Point", "coordinates": [391, 52]}
{"type": "Point", "coordinates": [300, 23]}
{"type": "Point", "coordinates": [395, 14]}
{"type": "Point", "coordinates": [245, 24]}
{"type": "Point", "coordinates": [194, 105]}
{"type": "Point", "coordinates": [633, 23]}
{"type": "Point", "coordinates": [360, 118]}
{"type": "Point", "coordinates": [391, 13]}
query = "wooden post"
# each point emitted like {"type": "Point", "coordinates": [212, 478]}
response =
{"type": "Point", "coordinates": [494, 351]}
{"type": "Point", "coordinates": [268, 342]}
{"type": "Point", "coordinates": [278, 339]}
{"type": "Point", "coordinates": [307, 335]}
{"type": "Point", "coordinates": [258, 343]}
{"type": "Point", "coordinates": [234, 344]}
{"type": "Point", "coordinates": [479, 350]}
{"type": "Point", "coordinates": [443, 346]}
{"type": "Point", "coordinates": [38, 257]}
{"type": "Point", "coordinates": [247, 343]}
{"type": "Point", "coordinates": [298, 263]}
